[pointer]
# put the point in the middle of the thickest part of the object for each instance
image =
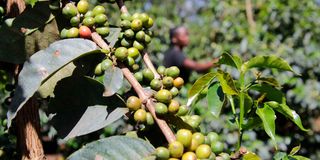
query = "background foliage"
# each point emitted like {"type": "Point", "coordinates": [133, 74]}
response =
{"type": "Point", "coordinates": [288, 29]}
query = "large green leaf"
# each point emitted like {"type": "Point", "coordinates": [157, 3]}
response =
{"type": "Point", "coordinates": [113, 80]}
{"type": "Point", "coordinates": [115, 148]}
{"type": "Point", "coordinates": [78, 104]}
{"type": "Point", "coordinates": [264, 61]}
{"type": "Point", "coordinates": [82, 66]}
{"type": "Point", "coordinates": [251, 156]}
{"type": "Point", "coordinates": [216, 99]}
{"type": "Point", "coordinates": [44, 64]}
{"type": "Point", "coordinates": [201, 83]}
{"type": "Point", "coordinates": [227, 83]}
{"type": "Point", "coordinates": [287, 112]}
{"type": "Point", "coordinates": [230, 60]}
{"type": "Point", "coordinates": [268, 118]}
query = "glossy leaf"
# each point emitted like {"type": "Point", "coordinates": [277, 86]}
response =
{"type": "Point", "coordinates": [234, 61]}
{"type": "Point", "coordinates": [227, 83]}
{"type": "Point", "coordinates": [266, 61]}
{"type": "Point", "coordinates": [115, 148]}
{"type": "Point", "coordinates": [43, 65]}
{"type": "Point", "coordinates": [268, 118]}
{"type": "Point", "coordinates": [287, 112]}
{"type": "Point", "coordinates": [113, 80]}
{"type": "Point", "coordinates": [298, 158]}
{"type": "Point", "coordinates": [201, 83]}
{"type": "Point", "coordinates": [216, 99]}
{"type": "Point", "coordinates": [295, 150]}
{"type": "Point", "coordinates": [251, 156]}
{"type": "Point", "coordinates": [112, 38]}
{"type": "Point", "coordinates": [78, 104]}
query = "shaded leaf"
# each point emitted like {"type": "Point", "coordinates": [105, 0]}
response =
{"type": "Point", "coordinates": [295, 150]}
{"type": "Point", "coordinates": [113, 80]}
{"type": "Point", "coordinates": [273, 94]}
{"type": "Point", "coordinates": [78, 104]}
{"type": "Point", "coordinates": [230, 60]}
{"type": "Point", "coordinates": [177, 122]}
{"type": "Point", "coordinates": [251, 156]}
{"type": "Point", "coordinates": [269, 80]}
{"type": "Point", "coordinates": [266, 61]}
{"type": "Point", "coordinates": [227, 83]}
{"type": "Point", "coordinates": [112, 38]}
{"type": "Point", "coordinates": [216, 99]}
{"type": "Point", "coordinates": [200, 84]}
{"type": "Point", "coordinates": [44, 64]}
{"type": "Point", "coordinates": [80, 67]}
{"type": "Point", "coordinates": [251, 123]}
{"type": "Point", "coordinates": [287, 112]}
{"type": "Point", "coordinates": [115, 148]}
{"type": "Point", "coordinates": [268, 118]}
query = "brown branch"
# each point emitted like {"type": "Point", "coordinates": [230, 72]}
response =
{"type": "Point", "coordinates": [122, 7]}
{"type": "Point", "coordinates": [167, 132]}
{"type": "Point", "coordinates": [149, 64]}
{"type": "Point", "coordinates": [249, 14]}
{"type": "Point", "coordinates": [28, 129]}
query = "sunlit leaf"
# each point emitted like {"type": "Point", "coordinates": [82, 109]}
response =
{"type": "Point", "coordinates": [231, 60]}
{"type": "Point", "coordinates": [287, 112]}
{"type": "Point", "coordinates": [200, 84]}
{"type": "Point", "coordinates": [251, 156]}
{"type": "Point", "coordinates": [42, 65]}
{"type": "Point", "coordinates": [295, 150]}
{"type": "Point", "coordinates": [216, 99]}
{"type": "Point", "coordinates": [268, 118]}
{"type": "Point", "coordinates": [227, 83]}
{"type": "Point", "coordinates": [266, 61]}
{"type": "Point", "coordinates": [115, 148]}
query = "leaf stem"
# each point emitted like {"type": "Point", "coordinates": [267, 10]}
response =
{"type": "Point", "coordinates": [241, 104]}
{"type": "Point", "coordinates": [149, 65]}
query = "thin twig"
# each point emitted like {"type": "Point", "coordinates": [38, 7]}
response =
{"type": "Point", "coordinates": [149, 64]}
{"type": "Point", "coordinates": [249, 14]}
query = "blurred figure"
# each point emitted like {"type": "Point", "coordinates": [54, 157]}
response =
{"type": "Point", "coordinates": [174, 56]}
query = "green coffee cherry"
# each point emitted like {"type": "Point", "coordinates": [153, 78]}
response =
{"type": "Point", "coordinates": [161, 109]}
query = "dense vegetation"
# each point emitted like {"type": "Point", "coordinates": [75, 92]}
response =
{"type": "Point", "coordinates": [286, 29]}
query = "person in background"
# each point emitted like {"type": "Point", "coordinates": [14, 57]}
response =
{"type": "Point", "coordinates": [174, 56]}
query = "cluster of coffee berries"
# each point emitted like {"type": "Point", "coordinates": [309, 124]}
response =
{"type": "Point", "coordinates": [104, 65]}
{"type": "Point", "coordinates": [140, 114]}
{"type": "Point", "coordinates": [83, 21]}
{"type": "Point", "coordinates": [188, 146]}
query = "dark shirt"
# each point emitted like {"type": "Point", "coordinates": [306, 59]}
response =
{"type": "Point", "coordinates": [174, 57]}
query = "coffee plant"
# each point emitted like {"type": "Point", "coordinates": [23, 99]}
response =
{"type": "Point", "coordinates": [90, 72]}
